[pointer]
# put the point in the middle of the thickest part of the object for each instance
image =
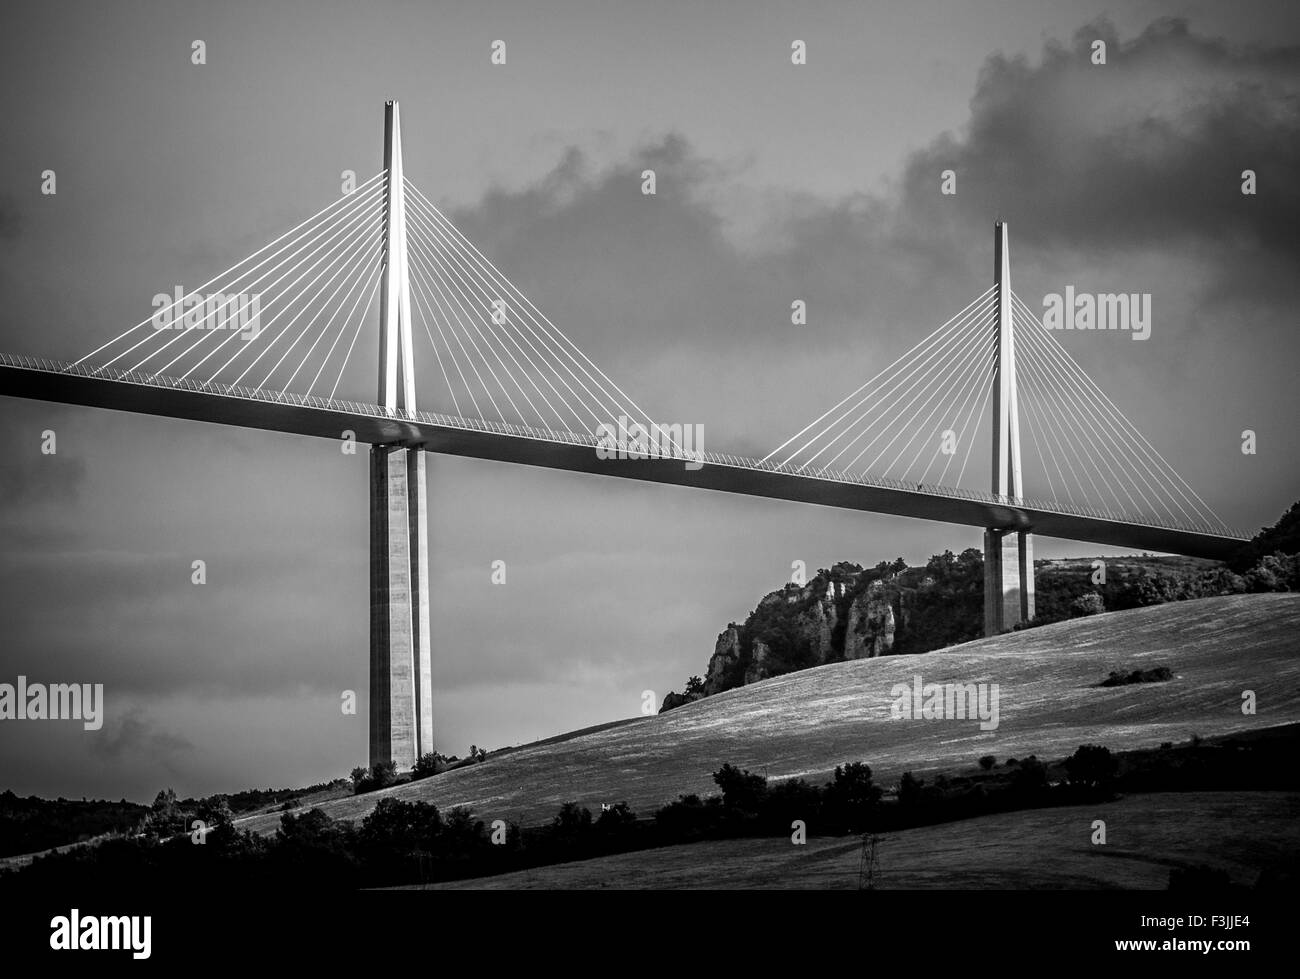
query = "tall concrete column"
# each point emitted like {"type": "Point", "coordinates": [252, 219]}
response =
{"type": "Point", "coordinates": [1008, 579]}
{"type": "Point", "coordinates": [1008, 554]}
{"type": "Point", "coordinates": [401, 693]}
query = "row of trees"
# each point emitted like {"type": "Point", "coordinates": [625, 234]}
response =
{"type": "Point", "coordinates": [410, 842]}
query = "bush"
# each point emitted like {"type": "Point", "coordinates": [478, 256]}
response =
{"type": "Point", "coordinates": [740, 789]}
{"type": "Point", "coordinates": [1089, 603]}
{"type": "Point", "coordinates": [911, 790]}
{"type": "Point", "coordinates": [1158, 674]}
{"type": "Point", "coordinates": [428, 764]}
{"type": "Point", "coordinates": [615, 819]}
{"type": "Point", "coordinates": [369, 779]}
{"type": "Point", "coordinates": [790, 800]}
{"type": "Point", "coordinates": [1031, 775]}
{"type": "Point", "coordinates": [1092, 767]}
{"type": "Point", "coordinates": [987, 762]}
{"type": "Point", "coordinates": [383, 775]}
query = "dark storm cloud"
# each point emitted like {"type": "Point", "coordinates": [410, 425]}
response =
{"type": "Point", "coordinates": [135, 737]}
{"type": "Point", "coordinates": [1144, 152]}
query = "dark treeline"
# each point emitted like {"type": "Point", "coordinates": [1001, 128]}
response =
{"type": "Point", "coordinates": [403, 842]}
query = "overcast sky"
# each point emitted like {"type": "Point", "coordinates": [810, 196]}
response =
{"type": "Point", "coordinates": [775, 182]}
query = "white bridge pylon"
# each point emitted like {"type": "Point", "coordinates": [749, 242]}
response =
{"type": "Point", "coordinates": [395, 298]}
{"type": "Point", "coordinates": [401, 663]}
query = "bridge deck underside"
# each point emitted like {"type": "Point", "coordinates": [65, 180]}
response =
{"type": "Point", "coordinates": [328, 423]}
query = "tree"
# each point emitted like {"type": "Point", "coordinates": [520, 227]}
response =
{"type": "Point", "coordinates": [851, 796]}
{"type": "Point", "coordinates": [572, 824]}
{"type": "Point", "coordinates": [1031, 775]}
{"type": "Point", "coordinates": [215, 811]}
{"type": "Point", "coordinates": [910, 790]}
{"type": "Point", "coordinates": [694, 686]}
{"type": "Point", "coordinates": [165, 815]}
{"type": "Point", "coordinates": [1273, 572]}
{"type": "Point", "coordinates": [400, 827]}
{"type": "Point", "coordinates": [1282, 538]}
{"type": "Point", "coordinates": [740, 789]}
{"type": "Point", "coordinates": [616, 818]}
{"type": "Point", "coordinates": [383, 775]}
{"type": "Point", "coordinates": [987, 762]}
{"type": "Point", "coordinates": [1092, 767]}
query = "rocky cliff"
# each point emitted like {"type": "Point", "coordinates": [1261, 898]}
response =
{"type": "Point", "coordinates": [848, 613]}
{"type": "Point", "coordinates": [843, 613]}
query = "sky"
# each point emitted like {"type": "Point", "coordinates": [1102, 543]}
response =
{"type": "Point", "coordinates": [775, 182]}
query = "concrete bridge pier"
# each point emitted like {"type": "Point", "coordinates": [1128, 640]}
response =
{"type": "Point", "coordinates": [1008, 579]}
{"type": "Point", "coordinates": [401, 692]}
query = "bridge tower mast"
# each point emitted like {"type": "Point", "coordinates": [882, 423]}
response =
{"type": "Point", "coordinates": [1008, 552]}
{"type": "Point", "coordinates": [401, 696]}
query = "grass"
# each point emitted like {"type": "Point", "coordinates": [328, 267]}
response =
{"type": "Point", "coordinates": [804, 724]}
{"type": "Point", "coordinates": [1147, 836]}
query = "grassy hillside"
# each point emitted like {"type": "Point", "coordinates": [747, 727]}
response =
{"type": "Point", "coordinates": [1240, 833]}
{"type": "Point", "coordinates": [806, 723]}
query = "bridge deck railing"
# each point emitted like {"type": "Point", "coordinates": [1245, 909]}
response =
{"type": "Point", "coordinates": [625, 449]}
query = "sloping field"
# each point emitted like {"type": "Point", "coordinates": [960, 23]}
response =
{"type": "Point", "coordinates": [1241, 833]}
{"type": "Point", "coordinates": [806, 723]}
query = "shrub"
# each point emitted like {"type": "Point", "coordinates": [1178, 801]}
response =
{"type": "Point", "coordinates": [911, 790]}
{"type": "Point", "coordinates": [1158, 674]}
{"type": "Point", "coordinates": [790, 800]}
{"type": "Point", "coordinates": [427, 765]}
{"type": "Point", "coordinates": [1092, 766]}
{"type": "Point", "coordinates": [1089, 603]}
{"type": "Point", "coordinates": [383, 775]}
{"type": "Point", "coordinates": [740, 789]}
{"type": "Point", "coordinates": [615, 819]}
{"type": "Point", "coordinates": [379, 777]}
{"type": "Point", "coordinates": [1031, 775]}
{"type": "Point", "coordinates": [987, 762]}
{"type": "Point", "coordinates": [360, 777]}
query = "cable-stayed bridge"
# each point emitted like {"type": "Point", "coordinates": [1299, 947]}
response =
{"type": "Point", "coordinates": [267, 343]}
